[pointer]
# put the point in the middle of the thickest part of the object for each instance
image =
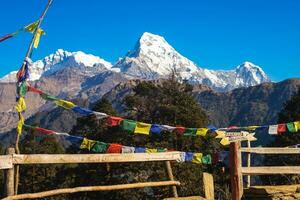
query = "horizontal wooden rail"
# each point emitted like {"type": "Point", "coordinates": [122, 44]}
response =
{"type": "Point", "coordinates": [23, 159]}
{"type": "Point", "coordinates": [271, 170]}
{"type": "Point", "coordinates": [90, 189]}
{"type": "Point", "coordinates": [271, 150]}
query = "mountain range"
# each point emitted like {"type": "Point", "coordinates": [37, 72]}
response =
{"type": "Point", "coordinates": [241, 96]}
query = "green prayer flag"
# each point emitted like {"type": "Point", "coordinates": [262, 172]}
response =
{"type": "Point", "coordinates": [23, 89]}
{"type": "Point", "coordinates": [190, 132]}
{"type": "Point", "coordinates": [160, 150]}
{"type": "Point", "coordinates": [291, 127]}
{"type": "Point", "coordinates": [128, 125]}
{"type": "Point", "coordinates": [48, 97]}
{"type": "Point", "coordinates": [206, 159]}
{"type": "Point", "coordinates": [100, 147]}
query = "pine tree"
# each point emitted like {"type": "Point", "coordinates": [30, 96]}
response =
{"type": "Point", "coordinates": [290, 113]}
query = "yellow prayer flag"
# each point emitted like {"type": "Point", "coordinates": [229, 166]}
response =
{"type": "Point", "coordinates": [142, 128]}
{"type": "Point", "coordinates": [87, 144]}
{"type": "Point", "coordinates": [297, 125]}
{"type": "Point", "coordinates": [197, 158]}
{"type": "Point", "coordinates": [151, 150]}
{"type": "Point", "coordinates": [21, 105]}
{"type": "Point", "coordinates": [31, 27]}
{"type": "Point", "coordinates": [252, 128]}
{"type": "Point", "coordinates": [39, 32]}
{"type": "Point", "coordinates": [66, 104]}
{"type": "Point", "coordinates": [201, 131]}
{"type": "Point", "coordinates": [220, 134]}
{"type": "Point", "coordinates": [20, 124]}
{"type": "Point", "coordinates": [225, 141]}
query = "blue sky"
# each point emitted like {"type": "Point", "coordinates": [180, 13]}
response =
{"type": "Point", "coordinates": [214, 34]}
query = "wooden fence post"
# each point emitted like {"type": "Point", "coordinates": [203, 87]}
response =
{"type": "Point", "coordinates": [236, 177]}
{"type": "Point", "coordinates": [208, 183]}
{"type": "Point", "coordinates": [248, 164]}
{"type": "Point", "coordinates": [9, 176]}
{"type": "Point", "coordinates": [171, 177]}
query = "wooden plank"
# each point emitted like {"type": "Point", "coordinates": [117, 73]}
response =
{"type": "Point", "coordinates": [93, 158]}
{"type": "Point", "coordinates": [271, 170]}
{"type": "Point", "coordinates": [208, 183]}
{"type": "Point", "coordinates": [10, 176]}
{"type": "Point", "coordinates": [6, 162]}
{"type": "Point", "coordinates": [248, 164]}
{"type": "Point", "coordinates": [271, 150]}
{"type": "Point", "coordinates": [171, 177]}
{"type": "Point", "coordinates": [91, 188]}
{"type": "Point", "coordinates": [235, 165]}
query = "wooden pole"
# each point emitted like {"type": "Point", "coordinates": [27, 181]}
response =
{"type": "Point", "coordinates": [171, 177]}
{"type": "Point", "coordinates": [28, 54]}
{"type": "Point", "coordinates": [9, 176]}
{"type": "Point", "coordinates": [91, 188]}
{"type": "Point", "coordinates": [248, 164]}
{"type": "Point", "coordinates": [235, 171]}
{"type": "Point", "coordinates": [208, 183]}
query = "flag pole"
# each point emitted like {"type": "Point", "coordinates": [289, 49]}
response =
{"type": "Point", "coordinates": [28, 55]}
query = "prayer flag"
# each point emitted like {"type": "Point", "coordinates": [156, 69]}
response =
{"type": "Point", "coordinates": [297, 125]}
{"type": "Point", "coordinates": [87, 144]}
{"type": "Point", "coordinates": [160, 150]}
{"type": "Point", "coordinates": [211, 128]}
{"type": "Point", "coordinates": [139, 150]}
{"type": "Point", "coordinates": [65, 104]}
{"type": "Point", "coordinates": [22, 89]}
{"type": "Point", "coordinates": [252, 128]}
{"type": "Point", "coordinates": [32, 89]}
{"type": "Point", "coordinates": [180, 129]}
{"type": "Point", "coordinates": [48, 97]}
{"type": "Point", "coordinates": [74, 140]}
{"type": "Point", "coordinates": [114, 121]}
{"type": "Point", "coordinates": [281, 128]}
{"type": "Point", "coordinates": [168, 128]}
{"type": "Point", "coordinates": [6, 37]}
{"type": "Point", "coordinates": [197, 158]}
{"type": "Point", "coordinates": [21, 105]}
{"type": "Point", "coordinates": [190, 132]}
{"type": "Point", "coordinates": [42, 130]}
{"type": "Point", "coordinates": [31, 27]}
{"type": "Point", "coordinates": [207, 159]}
{"type": "Point", "coordinates": [114, 148]}
{"type": "Point", "coordinates": [126, 149]}
{"type": "Point", "coordinates": [225, 141]}
{"type": "Point", "coordinates": [155, 129]}
{"type": "Point", "coordinates": [151, 150]}
{"type": "Point", "coordinates": [82, 111]}
{"type": "Point", "coordinates": [202, 131]}
{"type": "Point", "coordinates": [273, 129]}
{"type": "Point", "coordinates": [20, 124]}
{"type": "Point", "coordinates": [142, 128]}
{"type": "Point", "coordinates": [36, 42]}
{"type": "Point", "coordinates": [189, 156]}
{"type": "Point", "coordinates": [100, 147]}
{"type": "Point", "coordinates": [291, 127]}
{"type": "Point", "coordinates": [128, 125]}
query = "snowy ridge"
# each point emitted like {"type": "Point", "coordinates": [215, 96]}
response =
{"type": "Point", "coordinates": [151, 58]}
{"type": "Point", "coordinates": [61, 59]}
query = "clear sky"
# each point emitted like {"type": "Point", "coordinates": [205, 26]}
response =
{"type": "Point", "coordinates": [214, 34]}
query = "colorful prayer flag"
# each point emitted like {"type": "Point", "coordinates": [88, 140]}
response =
{"type": "Point", "coordinates": [202, 131]}
{"type": "Point", "coordinates": [126, 149]}
{"type": "Point", "coordinates": [139, 150]}
{"type": "Point", "coordinates": [190, 132]}
{"type": "Point", "coordinates": [297, 125]}
{"type": "Point", "coordinates": [114, 121]}
{"type": "Point", "coordinates": [189, 156]}
{"type": "Point", "coordinates": [155, 129]}
{"type": "Point", "coordinates": [114, 148]}
{"type": "Point", "coordinates": [128, 125]}
{"type": "Point", "coordinates": [21, 105]}
{"type": "Point", "coordinates": [281, 128]}
{"type": "Point", "coordinates": [20, 124]}
{"type": "Point", "coordinates": [142, 128]}
{"type": "Point", "coordinates": [87, 144]}
{"type": "Point", "coordinates": [148, 150]}
{"type": "Point", "coordinates": [291, 127]}
{"type": "Point", "coordinates": [82, 111]}
{"type": "Point", "coordinates": [197, 158]}
{"type": "Point", "coordinates": [65, 104]}
{"type": "Point", "coordinates": [36, 42]}
{"type": "Point", "coordinates": [180, 129]}
{"type": "Point", "coordinates": [100, 147]}
{"type": "Point", "coordinates": [273, 129]}
{"type": "Point", "coordinates": [207, 159]}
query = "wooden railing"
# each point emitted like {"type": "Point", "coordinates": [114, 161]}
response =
{"type": "Point", "coordinates": [237, 171]}
{"type": "Point", "coordinates": [9, 161]}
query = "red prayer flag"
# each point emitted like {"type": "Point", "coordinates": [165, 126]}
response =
{"type": "Point", "coordinates": [42, 130]}
{"type": "Point", "coordinates": [32, 89]}
{"type": "Point", "coordinates": [114, 148]}
{"type": "Point", "coordinates": [6, 37]}
{"type": "Point", "coordinates": [180, 129]}
{"type": "Point", "coordinates": [281, 128]}
{"type": "Point", "coordinates": [114, 121]}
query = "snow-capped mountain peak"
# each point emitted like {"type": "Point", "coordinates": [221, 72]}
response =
{"type": "Point", "coordinates": [57, 61]}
